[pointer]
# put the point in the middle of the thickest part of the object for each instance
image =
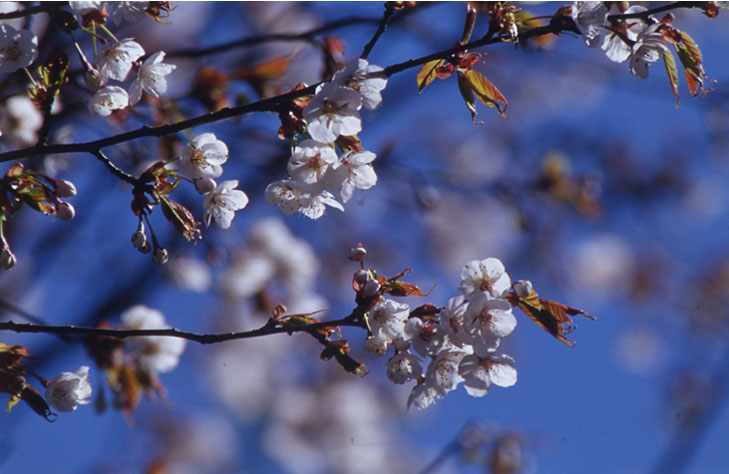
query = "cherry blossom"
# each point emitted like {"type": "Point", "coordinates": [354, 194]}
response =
{"type": "Point", "coordinates": [377, 345]}
{"type": "Point", "coordinates": [314, 206]}
{"type": "Point", "coordinates": [648, 49]}
{"type": "Point", "coordinates": [487, 275]}
{"type": "Point", "coordinates": [360, 174]}
{"type": "Point", "coordinates": [363, 78]}
{"type": "Point", "coordinates": [479, 373]}
{"type": "Point", "coordinates": [18, 48]}
{"type": "Point", "coordinates": [108, 99]}
{"type": "Point", "coordinates": [589, 18]}
{"type": "Point", "coordinates": [442, 373]}
{"type": "Point", "coordinates": [422, 396]}
{"type": "Point", "coordinates": [69, 389]}
{"type": "Point", "coordinates": [20, 121]}
{"type": "Point", "coordinates": [523, 288]}
{"type": "Point", "coordinates": [203, 157]}
{"type": "Point", "coordinates": [131, 12]}
{"type": "Point", "coordinates": [332, 112]}
{"type": "Point", "coordinates": [285, 195]}
{"type": "Point", "coordinates": [189, 274]}
{"type": "Point", "coordinates": [116, 61]}
{"type": "Point", "coordinates": [426, 338]}
{"type": "Point", "coordinates": [222, 203]}
{"type": "Point", "coordinates": [153, 353]}
{"type": "Point", "coordinates": [151, 78]}
{"type": "Point", "coordinates": [487, 315]}
{"type": "Point", "coordinates": [84, 7]}
{"type": "Point", "coordinates": [310, 161]}
{"type": "Point", "coordinates": [387, 319]}
{"type": "Point", "coordinates": [615, 48]}
{"type": "Point", "coordinates": [403, 367]}
{"type": "Point", "coordinates": [452, 320]}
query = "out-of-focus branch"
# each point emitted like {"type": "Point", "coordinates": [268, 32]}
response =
{"type": "Point", "coordinates": [271, 327]}
{"type": "Point", "coordinates": [44, 7]}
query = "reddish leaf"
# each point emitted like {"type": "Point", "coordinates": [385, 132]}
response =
{"type": "Point", "coordinates": [467, 93]}
{"type": "Point", "coordinates": [670, 63]}
{"type": "Point", "coordinates": [486, 92]}
{"type": "Point", "coordinates": [692, 61]}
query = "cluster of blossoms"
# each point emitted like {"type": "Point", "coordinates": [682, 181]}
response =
{"type": "Point", "coordinates": [641, 41]}
{"type": "Point", "coordinates": [202, 161]}
{"type": "Point", "coordinates": [316, 171]}
{"type": "Point", "coordinates": [460, 342]}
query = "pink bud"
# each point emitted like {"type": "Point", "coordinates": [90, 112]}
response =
{"type": "Point", "coordinates": [371, 288]}
{"type": "Point", "coordinates": [65, 189]}
{"type": "Point", "coordinates": [361, 276]}
{"type": "Point", "coordinates": [65, 211]}
{"type": "Point", "coordinates": [205, 185]}
{"type": "Point", "coordinates": [139, 239]}
{"type": "Point", "coordinates": [358, 253]}
{"type": "Point", "coordinates": [7, 259]}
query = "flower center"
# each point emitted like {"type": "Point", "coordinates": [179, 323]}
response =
{"type": "Point", "coordinates": [198, 159]}
{"type": "Point", "coordinates": [12, 52]}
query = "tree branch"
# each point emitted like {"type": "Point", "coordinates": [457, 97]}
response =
{"type": "Point", "coordinates": [269, 328]}
{"type": "Point", "coordinates": [386, 17]}
{"type": "Point", "coordinates": [44, 7]}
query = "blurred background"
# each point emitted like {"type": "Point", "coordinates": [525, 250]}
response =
{"type": "Point", "coordinates": [596, 188]}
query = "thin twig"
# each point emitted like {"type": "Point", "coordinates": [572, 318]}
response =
{"type": "Point", "coordinates": [118, 172]}
{"type": "Point", "coordinates": [386, 17]}
{"type": "Point", "coordinates": [44, 7]}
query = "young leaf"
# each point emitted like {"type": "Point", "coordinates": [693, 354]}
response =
{"type": "Point", "coordinates": [670, 63]}
{"type": "Point", "coordinates": [467, 93]}
{"type": "Point", "coordinates": [428, 73]}
{"type": "Point", "coordinates": [691, 59]}
{"type": "Point", "coordinates": [486, 91]}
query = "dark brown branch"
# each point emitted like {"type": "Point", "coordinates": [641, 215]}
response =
{"type": "Point", "coordinates": [118, 172]}
{"type": "Point", "coordinates": [44, 7]}
{"type": "Point", "coordinates": [386, 17]}
{"type": "Point", "coordinates": [268, 329]}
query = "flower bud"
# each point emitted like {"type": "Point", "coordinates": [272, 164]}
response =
{"type": "Point", "coordinates": [358, 253]}
{"type": "Point", "coordinates": [69, 389]}
{"type": "Point", "coordinates": [205, 185]}
{"type": "Point", "coordinates": [372, 287]}
{"type": "Point", "coordinates": [65, 188]}
{"type": "Point", "coordinates": [7, 259]}
{"type": "Point", "coordinates": [376, 346]}
{"type": "Point", "coordinates": [65, 211]}
{"type": "Point", "coordinates": [523, 288]}
{"type": "Point", "coordinates": [139, 240]}
{"type": "Point", "coordinates": [160, 255]}
{"type": "Point", "coordinates": [362, 277]}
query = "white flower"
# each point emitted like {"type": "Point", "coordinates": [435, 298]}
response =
{"type": "Point", "coordinates": [364, 78]}
{"type": "Point", "coordinates": [487, 320]}
{"type": "Point", "coordinates": [203, 157]}
{"type": "Point", "coordinates": [427, 339]}
{"type": "Point", "coordinates": [403, 367]}
{"type": "Point", "coordinates": [84, 7]}
{"type": "Point", "coordinates": [131, 12]}
{"type": "Point", "coordinates": [480, 373]}
{"type": "Point", "coordinates": [108, 99]}
{"type": "Point", "coordinates": [310, 161]}
{"type": "Point", "coordinates": [452, 320]}
{"type": "Point", "coordinates": [377, 345]}
{"type": "Point", "coordinates": [387, 319]}
{"type": "Point", "coordinates": [422, 396]}
{"type": "Point", "coordinates": [615, 48]}
{"type": "Point", "coordinates": [18, 48]}
{"type": "Point", "coordinates": [222, 203]}
{"type": "Point", "coordinates": [313, 206]}
{"type": "Point", "coordinates": [523, 288]}
{"type": "Point", "coordinates": [20, 121]}
{"type": "Point", "coordinates": [332, 112]}
{"type": "Point", "coordinates": [648, 49]}
{"type": "Point", "coordinates": [116, 61]}
{"type": "Point", "coordinates": [153, 353]}
{"type": "Point", "coordinates": [151, 78]}
{"type": "Point", "coordinates": [360, 173]}
{"type": "Point", "coordinates": [589, 17]}
{"type": "Point", "coordinates": [443, 371]}
{"type": "Point", "coordinates": [487, 275]}
{"type": "Point", "coordinates": [69, 389]}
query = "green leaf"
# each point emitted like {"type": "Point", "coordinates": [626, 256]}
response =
{"type": "Point", "coordinates": [486, 92]}
{"type": "Point", "coordinates": [670, 63]}
{"type": "Point", "coordinates": [691, 59]}
{"type": "Point", "coordinates": [428, 73]}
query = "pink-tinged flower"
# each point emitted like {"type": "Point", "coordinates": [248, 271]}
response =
{"type": "Point", "coordinates": [69, 389]}
{"type": "Point", "coordinates": [486, 320]}
{"type": "Point", "coordinates": [615, 48]}
{"type": "Point", "coordinates": [479, 373]}
{"type": "Point", "coordinates": [364, 78]}
{"type": "Point", "coordinates": [332, 112]}
{"type": "Point", "coordinates": [403, 367]}
{"type": "Point", "coordinates": [151, 78]}
{"type": "Point", "coordinates": [648, 49]}
{"type": "Point", "coordinates": [387, 319]}
{"type": "Point", "coordinates": [116, 61]}
{"type": "Point", "coordinates": [452, 320]}
{"type": "Point", "coordinates": [153, 353]}
{"type": "Point", "coordinates": [427, 339]}
{"type": "Point", "coordinates": [108, 99]}
{"type": "Point", "coordinates": [313, 206]}
{"type": "Point", "coordinates": [84, 7]}
{"type": "Point", "coordinates": [222, 203]}
{"type": "Point", "coordinates": [18, 48]}
{"type": "Point", "coordinates": [589, 18]}
{"type": "Point", "coordinates": [443, 373]}
{"type": "Point", "coordinates": [377, 345]}
{"type": "Point", "coordinates": [203, 157]}
{"type": "Point", "coordinates": [310, 161]}
{"type": "Point", "coordinates": [360, 173]}
{"type": "Point", "coordinates": [487, 276]}
{"type": "Point", "coordinates": [422, 396]}
{"type": "Point", "coordinates": [285, 195]}
{"type": "Point", "coordinates": [20, 121]}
